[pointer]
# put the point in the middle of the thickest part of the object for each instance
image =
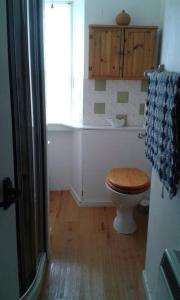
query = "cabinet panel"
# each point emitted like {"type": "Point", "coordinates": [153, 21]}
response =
{"type": "Point", "coordinates": [139, 52]}
{"type": "Point", "coordinates": [104, 53]}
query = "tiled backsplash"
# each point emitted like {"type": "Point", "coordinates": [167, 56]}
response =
{"type": "Point", "coordinates": [105, 99]}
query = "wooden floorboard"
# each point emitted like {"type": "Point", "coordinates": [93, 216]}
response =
{"type": "Point", "coordinates": [89, 260]}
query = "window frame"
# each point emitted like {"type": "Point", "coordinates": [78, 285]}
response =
{"type": "Point", "coordinates": [70, 3]}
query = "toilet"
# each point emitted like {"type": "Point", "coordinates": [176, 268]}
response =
{"type": "Point", "coordinates": [127, 187]}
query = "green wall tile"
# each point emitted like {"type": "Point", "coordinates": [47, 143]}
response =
{"type": "Point", "coordinates": [122, 97]}
{"type": "Point", "coordinates": [144, 86]}
{"type": "Point", "coordinates": [141, 109]}
{"type": "Point", "coordinates": [120, 116]}
{"type": "Point", "coordinates": [99, 108]}
{"type": "Point", "coordinates": [100, 85]}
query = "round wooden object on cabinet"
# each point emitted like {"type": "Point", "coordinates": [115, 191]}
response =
{"type": "Point", "coordinates": [123, 18]}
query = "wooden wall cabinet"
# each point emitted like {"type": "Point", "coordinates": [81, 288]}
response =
{"type": "Point", "coordinates": [121, 52]}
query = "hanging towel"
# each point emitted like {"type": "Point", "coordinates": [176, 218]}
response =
{"type": "Point", "coordinates": [162, 122]}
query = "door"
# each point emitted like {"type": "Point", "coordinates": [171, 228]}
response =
{"type": "Point", "coordinates": [22, 153]}
{"type": "Point", "coordinates": [9, 283]}
{"type": "Point", "coordinates": [139, 52]}
{"type": "Point", "coordinates": [105, 52]}
{"type": "Point", "coordinates": [28, 110]}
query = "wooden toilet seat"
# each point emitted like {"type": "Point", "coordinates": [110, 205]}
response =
{"type": "Point", "coordinates": [128, 180]}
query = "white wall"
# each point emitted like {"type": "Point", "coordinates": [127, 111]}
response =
{"type": "Point", "coordinates": [171, 41]}
{"type": "Point", "coordinates": [163, 230]}
{"type": "Point", "coordinates": [78, 37]}
{"type": "Point", "coordinates": [164, 217]}
{"type": "Point", "coordinates": [78, 60]}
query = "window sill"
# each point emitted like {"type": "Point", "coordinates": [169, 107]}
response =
{"type": "Point", "coordinates": [66, 127]}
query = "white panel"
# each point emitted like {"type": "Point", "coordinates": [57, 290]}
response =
{"type": "Point", "coordinates": [79, 160]}
{"type": "Point", "coordinates": [76, 182]}
{"type": "Point", "coordinates": [103, 150]}
{"type": "Point", "coordinates": [171, 44]}
{"type": "Point", "coordinates": [59, 160]}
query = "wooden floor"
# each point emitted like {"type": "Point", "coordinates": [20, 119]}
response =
{"type": "Point", "coordinates": [89, 259]}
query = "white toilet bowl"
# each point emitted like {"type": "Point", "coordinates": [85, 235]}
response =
{"type": "Point", "coordinates": [124, 221]}
{"type": "Point", "coordinates": [127, 188]}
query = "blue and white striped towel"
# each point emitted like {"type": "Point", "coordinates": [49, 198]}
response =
{"type": "Point", "coordinates": [162, 121]}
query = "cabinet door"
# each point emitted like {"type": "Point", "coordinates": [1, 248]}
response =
{"type": "Point", "coordinates": [105, 53]}
{"type": "Point", "coordinates": [139, 52]}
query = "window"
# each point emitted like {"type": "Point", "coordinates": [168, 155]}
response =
{"type": "Point", "coordinates": [58, 61]}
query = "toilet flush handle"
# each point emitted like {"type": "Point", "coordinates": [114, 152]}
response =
{"type": "Point", "coordinates": [141, 135]}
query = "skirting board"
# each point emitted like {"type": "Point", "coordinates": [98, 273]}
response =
{"type": "Point", "coordinates": [75, 196]}
{"type": "Point", "coordinates": [146, 286]}
{"type": "Point", "coordinates": [84, 203]}
{"type": "Point", "coordinates": [35, 288]}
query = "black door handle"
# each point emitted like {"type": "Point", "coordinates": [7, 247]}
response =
{"type": "Point", "coordinates": [10, 193]}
